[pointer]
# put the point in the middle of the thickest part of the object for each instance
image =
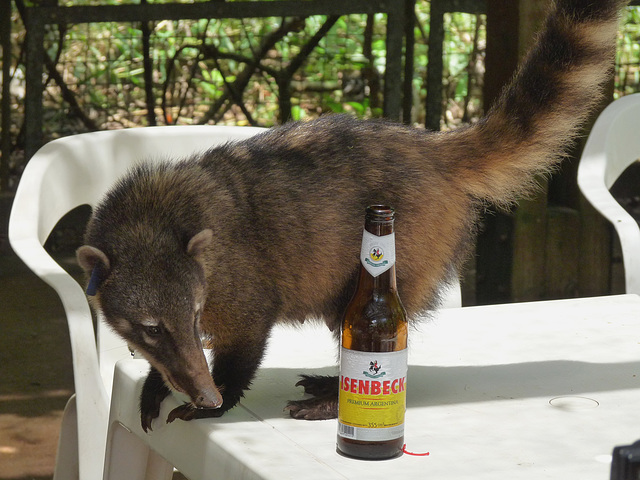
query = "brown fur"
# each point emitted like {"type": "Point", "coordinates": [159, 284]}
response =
{"type": "Point", "coordinates": [280, 216]}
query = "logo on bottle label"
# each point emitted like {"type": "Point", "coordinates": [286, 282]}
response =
{"type": "Point", "coordinates": [372, 398]}
{"type": "Point", "coordinates": [374, 368]}
{"type": "Point", "coordinates": [378, 254]}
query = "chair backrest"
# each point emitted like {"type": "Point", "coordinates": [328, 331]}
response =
{"type": "Point", "coordinates": [79, 169]}
{"type": "Point", "coordinates": [613, 145]}
{"type": "Point", "coordinates": [61, 176]}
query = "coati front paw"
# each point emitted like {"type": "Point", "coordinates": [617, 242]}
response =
{"type": "Point", "coordinates": [188, 412]}
{"type": "Point", "coordinates": [324, 403]}
{"type": "Point", "coordinates": [150, 409]}
{"type": "Point", "coordinates": [316, 408]}
{"type": "Point", "coordinates": [154, 391]}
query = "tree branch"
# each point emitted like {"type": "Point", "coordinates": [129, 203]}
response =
{"type": "Point", "coordinates": [243, 78]}
{"type": "Point", "coordinates": [283, 78]}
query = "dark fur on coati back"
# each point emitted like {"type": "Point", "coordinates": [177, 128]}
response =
{"type": "Point", "coordinates": [269, 229]}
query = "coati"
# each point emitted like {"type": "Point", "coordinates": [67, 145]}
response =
{"type": "Point", "coordinates": [268, 229]}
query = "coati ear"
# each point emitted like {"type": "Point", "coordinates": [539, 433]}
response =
{"type": "Point", "coordinates": [199, 243]}
{"type": "Point", "coordinates": [88, 257]}
{"type": "Point", "coordinates": [96, 264]}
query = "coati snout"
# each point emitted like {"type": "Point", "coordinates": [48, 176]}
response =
{"type": "Point", "coordinates": [268, 229]}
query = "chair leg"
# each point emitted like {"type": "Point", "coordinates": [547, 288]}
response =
{"type": "Point", "coordinates": [128, 457]}
{"type": "Point", "coordinates": [67, 463]}
{"type": "Point", "coordinates": [158, 468]}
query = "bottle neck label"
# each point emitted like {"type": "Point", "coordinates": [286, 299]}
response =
{"type": "Point", "coordinates": [378, 254]}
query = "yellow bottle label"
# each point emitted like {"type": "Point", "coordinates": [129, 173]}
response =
{"type": "Point", "coordinates": [372, 399]}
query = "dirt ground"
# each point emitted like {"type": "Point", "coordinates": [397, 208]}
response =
{"type": "Point", "coordinates": [36, 377]}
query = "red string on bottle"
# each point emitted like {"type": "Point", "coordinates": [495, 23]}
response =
{"type": "Point", "coordinates": [404, 450]}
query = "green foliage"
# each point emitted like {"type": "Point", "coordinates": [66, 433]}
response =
{"type": "Point", "coordinates": [628, 54]}
{"type": "Point", "coordinates": [201, 67]}
{"type": "Point", "coordinates": [104, 65]}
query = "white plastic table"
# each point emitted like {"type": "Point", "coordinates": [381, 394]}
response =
{"type": "Point", "coordinates": [528, 391]}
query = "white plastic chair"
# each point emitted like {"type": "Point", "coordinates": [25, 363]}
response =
{"type": "Point", "coordinates": [613, 145]}
{"type": "Point", "coordinates": [62, 175]}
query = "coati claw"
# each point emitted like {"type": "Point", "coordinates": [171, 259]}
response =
{"type": "Point", "coordinates": [145, 421]}
{"type": "Point", "coordinates": [319, 385]}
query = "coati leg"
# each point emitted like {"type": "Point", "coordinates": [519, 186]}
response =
{"type": "Point", "coordinates": [323, 404]}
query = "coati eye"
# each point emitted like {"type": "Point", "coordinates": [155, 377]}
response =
{"type": "Point", "coordinates": [152, 330]}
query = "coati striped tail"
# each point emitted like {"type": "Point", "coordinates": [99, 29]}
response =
{"type": "Point", "coordinates": [560, 82]}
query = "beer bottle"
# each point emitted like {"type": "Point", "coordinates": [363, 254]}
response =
{"type": "Point", "coordinates": [373, 353]}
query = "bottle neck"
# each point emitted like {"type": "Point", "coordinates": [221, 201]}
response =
{"type": "Point", "coordinates": [379, 285]}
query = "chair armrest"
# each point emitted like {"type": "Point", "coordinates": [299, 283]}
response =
{"type": "Point", "coordinates": [626, 226]}
{"type": "Point", "coordinates": [629, 235]}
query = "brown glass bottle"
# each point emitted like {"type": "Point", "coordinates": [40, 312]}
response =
{"type": "Point", "coordinates": [373, 354]}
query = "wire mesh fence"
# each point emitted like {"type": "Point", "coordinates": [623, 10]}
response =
{"type": "Point", "coordinates": [213, 71]}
